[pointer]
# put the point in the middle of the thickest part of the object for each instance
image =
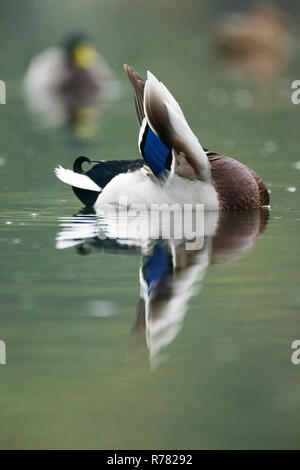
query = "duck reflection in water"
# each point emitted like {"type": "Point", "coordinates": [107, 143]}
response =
{"type": "Point", "coordinates": [172, 270]}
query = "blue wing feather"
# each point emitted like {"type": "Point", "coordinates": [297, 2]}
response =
{"type": "Point", "coordinates": [156, 154]}
{"type": "Point", "coordinates": [158, 268]}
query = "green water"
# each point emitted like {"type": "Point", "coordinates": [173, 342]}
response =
{"type": "Point", "coordinates": [73, 378]}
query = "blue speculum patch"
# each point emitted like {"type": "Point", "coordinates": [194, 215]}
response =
{"type": "Point", "coordinates": [156, 154]}
{"type": "Point", "coordinates": [158, 267]}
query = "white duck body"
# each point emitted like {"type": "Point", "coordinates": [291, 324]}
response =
{"type": "Point", "coordinates": [136, 188]}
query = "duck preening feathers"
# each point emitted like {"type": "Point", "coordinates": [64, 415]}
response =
{"type": "Point", "coordinates": [175, 168]}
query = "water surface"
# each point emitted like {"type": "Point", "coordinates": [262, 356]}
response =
{"type": "Point", "coordinates": [80, 372]}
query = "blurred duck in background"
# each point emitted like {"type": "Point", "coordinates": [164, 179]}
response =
{"type": "Point", "coordinates": [67, 85]}
{"type": "Point", "coordinates": [256, 43]}
{"type": "Point", "coordinates": [172, 270]}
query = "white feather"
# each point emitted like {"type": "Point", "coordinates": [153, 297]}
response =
{"type": "Point", "coordinates": [76, 179]}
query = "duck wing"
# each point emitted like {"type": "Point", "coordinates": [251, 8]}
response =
{"type": "Point", "coordinates": [138, 85]}
{"type": "Point", "coordinates": [166, 141]}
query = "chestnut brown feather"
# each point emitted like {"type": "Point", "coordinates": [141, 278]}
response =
{"type": "Point", "coordinates": [237, 185]}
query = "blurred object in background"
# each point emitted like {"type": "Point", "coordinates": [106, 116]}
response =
{"type": "Point", "coordinates": [255, 44]}
{"type": "Point", "coordinates": [68, 85]}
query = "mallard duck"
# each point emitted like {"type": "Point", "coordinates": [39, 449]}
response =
{"type": "Point", "coordinates": [175, 168]}
{"type": "Point", "coordinates": [66, 84]}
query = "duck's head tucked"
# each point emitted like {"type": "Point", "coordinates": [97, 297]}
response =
{"type": "Point", "coordinates": [175, 168]}
{"type": "Point", "coordinates": [80, 51]}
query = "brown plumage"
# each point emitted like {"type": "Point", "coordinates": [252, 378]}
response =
{"type": "Point", "coordinates": [237, 185]}
{"type": "Point", "coordinates": [138, 85]}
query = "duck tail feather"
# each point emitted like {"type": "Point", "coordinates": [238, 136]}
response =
{"type": "Point", "coordinates": [76, 180]}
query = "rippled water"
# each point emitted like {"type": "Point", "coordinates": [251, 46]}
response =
{"type": "Point", "coordinates": [210, 364]}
